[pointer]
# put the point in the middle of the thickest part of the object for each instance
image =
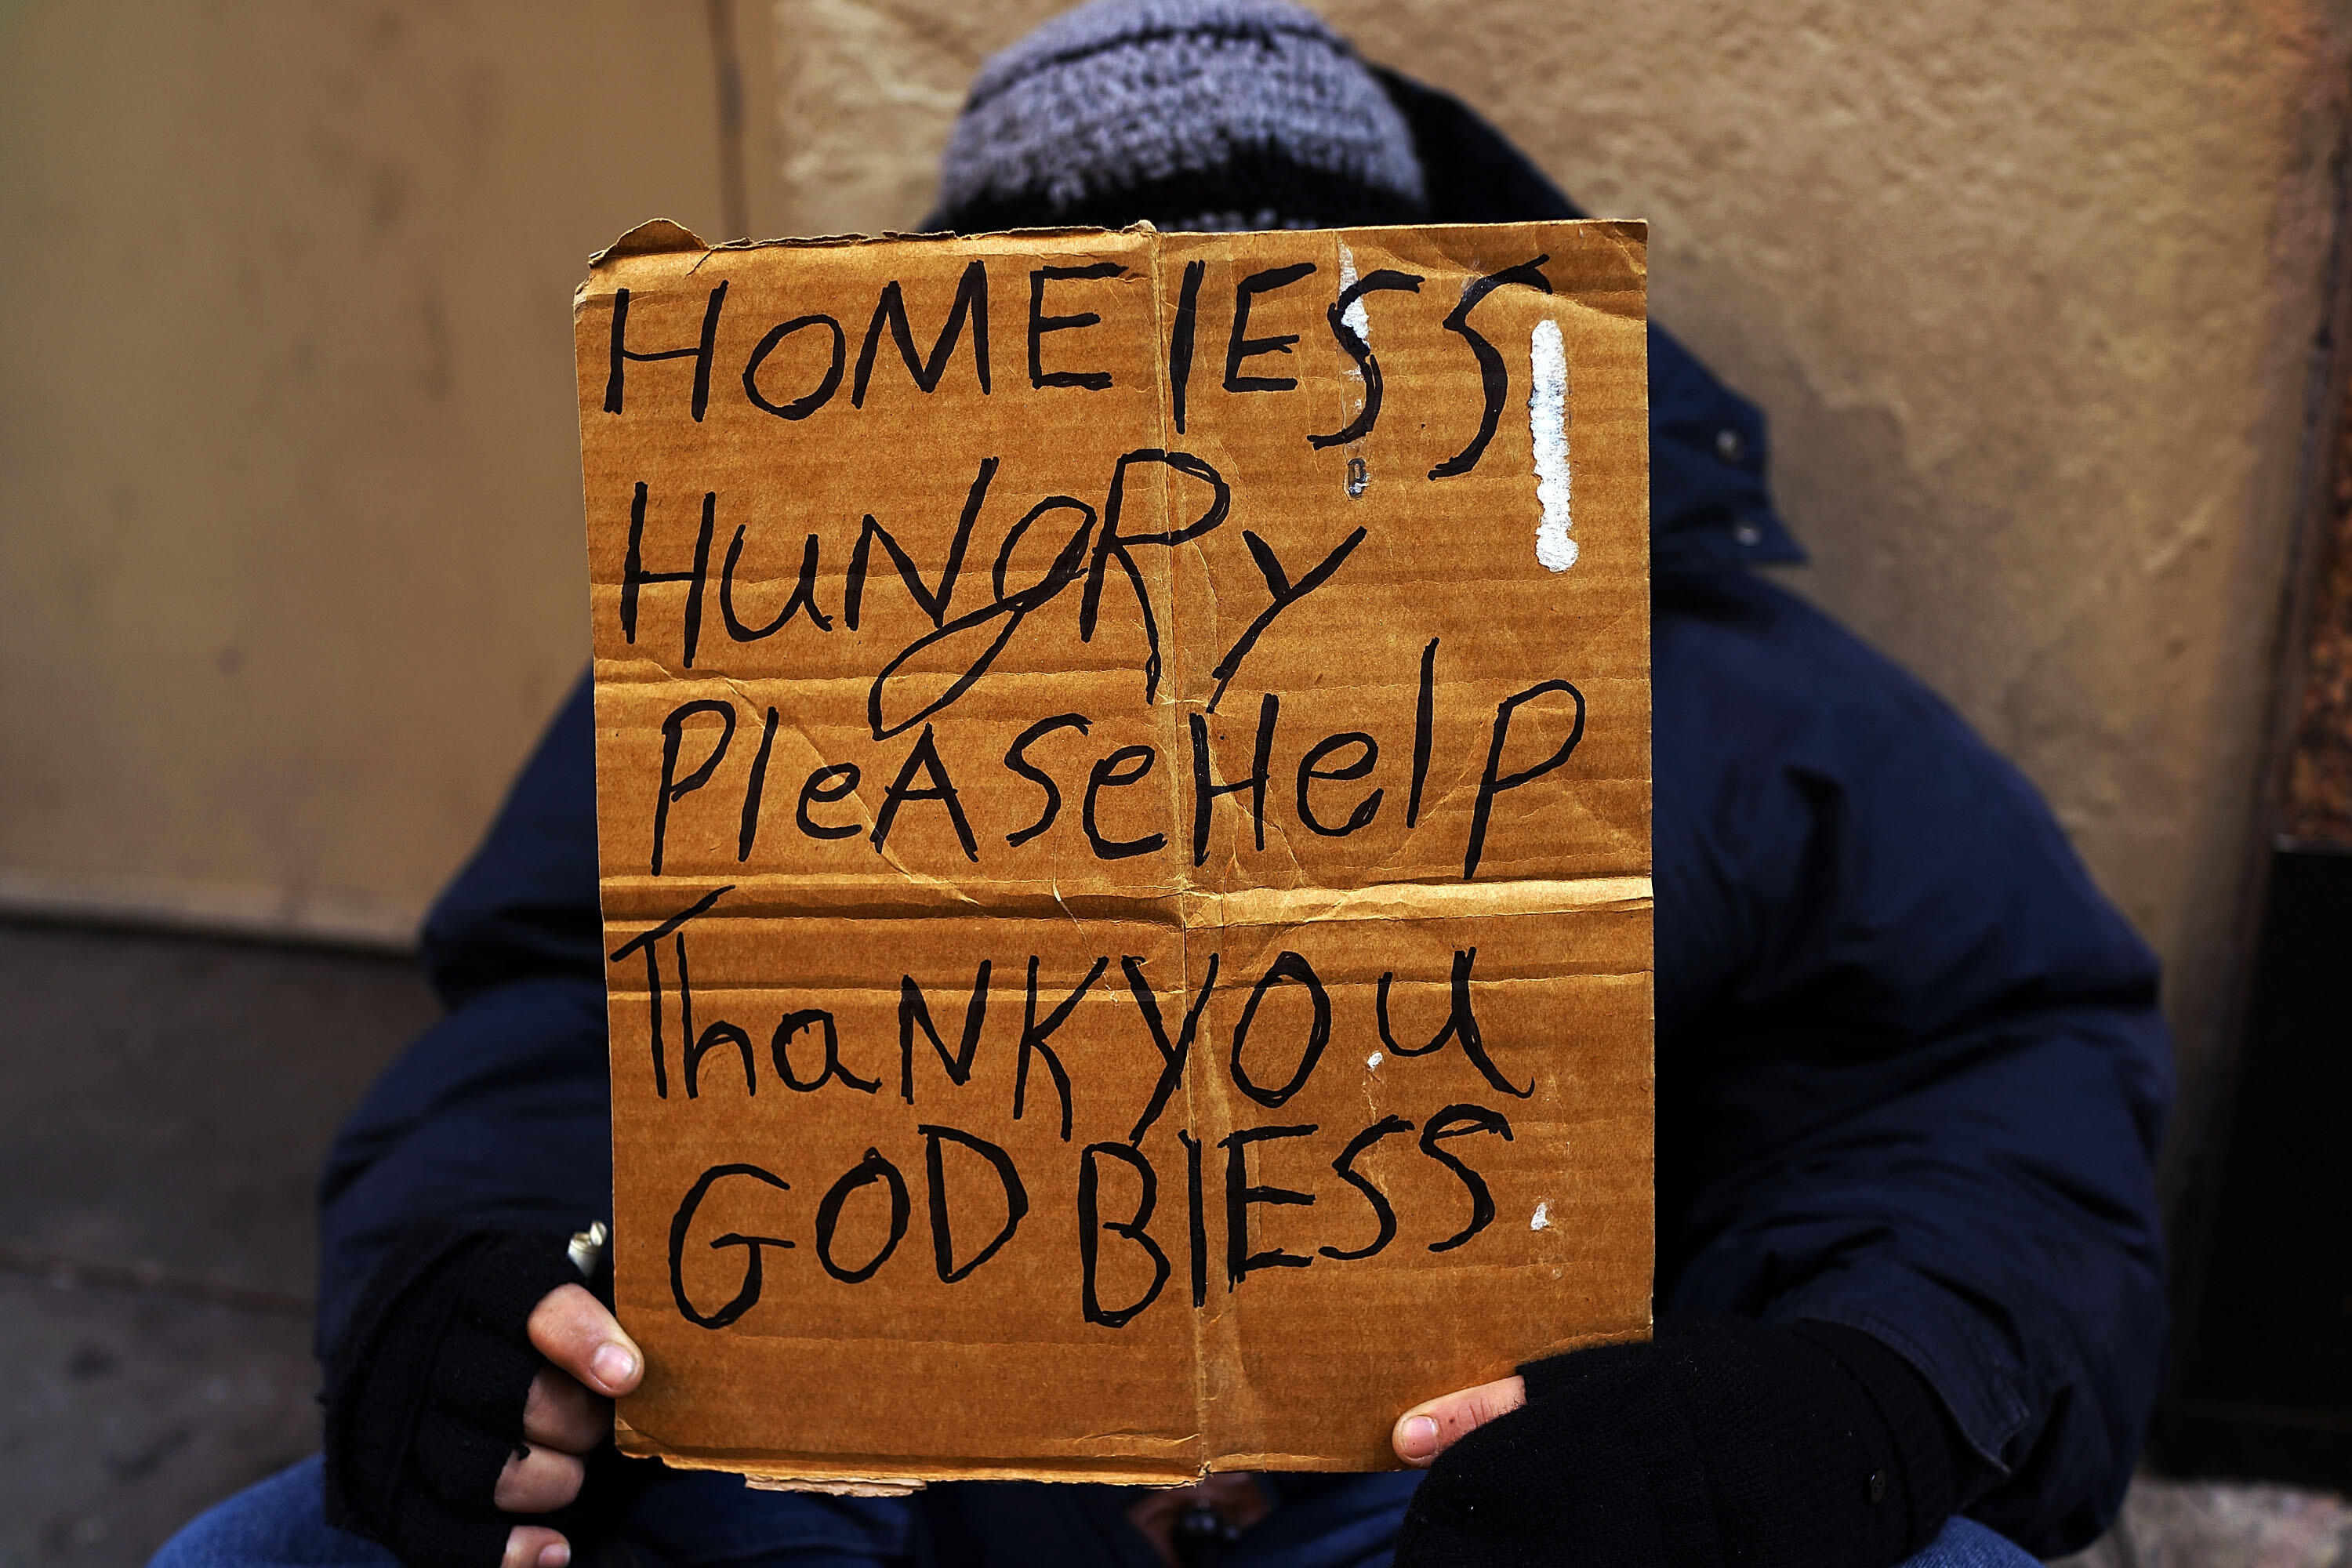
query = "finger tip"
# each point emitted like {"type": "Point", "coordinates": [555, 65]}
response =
{"type": "Point", "coordinates": [616, 1366]}
{"type": "Point", "coordinates": [529, 1546]}
{"type": "Point", "coordinates": [1416, 1439]}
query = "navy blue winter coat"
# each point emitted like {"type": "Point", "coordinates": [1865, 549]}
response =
{"type": "Point", "coordinates": [1911, 1074]}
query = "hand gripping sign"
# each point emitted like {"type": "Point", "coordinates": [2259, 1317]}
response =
{"type": "Point", "coordinates": [1123, 794]}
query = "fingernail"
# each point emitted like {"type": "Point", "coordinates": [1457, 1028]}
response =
{"type": "Point", "coordinates": [614, 1367]}
{"type": "Point", "coordinates": [1420, 1435]}
{"type": "Point", "coordinates": [554, 1554]}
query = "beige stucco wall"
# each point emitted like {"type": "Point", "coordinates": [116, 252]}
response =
{"type": "Point", "coordinates": [289, 497]}
{"type": "Point", "coordinates": [286, 440]}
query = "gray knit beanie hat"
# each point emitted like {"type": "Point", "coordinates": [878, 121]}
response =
{"type": "Point", "coordinates": [1215, 114]}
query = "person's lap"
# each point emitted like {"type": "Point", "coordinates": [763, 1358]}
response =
{"type": "Point", "coordinates": [706, 1520]}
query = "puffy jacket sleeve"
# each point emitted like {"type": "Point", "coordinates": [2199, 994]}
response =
{"type": "Point", "coordinates": [500, 1114]}
{"type": "Point", "coordinates": [1912, 1075]}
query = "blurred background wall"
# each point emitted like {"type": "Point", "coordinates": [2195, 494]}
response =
{"type": "Point", "coordinates": [291, 533]}
{"type": "Point", "coordinates": [291, 536]}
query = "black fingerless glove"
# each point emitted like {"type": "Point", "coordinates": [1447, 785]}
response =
{"type": "Point", "coordinates": [1720, 1441]}
{"type": "Point", "coordinates": [424, 1399]}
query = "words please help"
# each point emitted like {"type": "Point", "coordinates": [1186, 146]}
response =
{"type": "Point", "coordinates": [1122, 771]}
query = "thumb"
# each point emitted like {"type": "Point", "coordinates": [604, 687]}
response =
{"type": "Point", "coordinates": [572, 1328]}
{"type": "Point", "coordinates": [1430, 1428]}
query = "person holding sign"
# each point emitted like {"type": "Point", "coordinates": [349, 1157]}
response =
{"type": "Point", "coordinates": [1910, 1072]}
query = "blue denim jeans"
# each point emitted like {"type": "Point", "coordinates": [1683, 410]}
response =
{"type": "Point", "coordinates": [696, 1520]}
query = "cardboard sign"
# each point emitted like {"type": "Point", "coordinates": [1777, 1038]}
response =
{"type": "Point", "coordinates": [1123, 789]}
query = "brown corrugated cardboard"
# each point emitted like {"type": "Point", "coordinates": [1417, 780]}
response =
{"type": "Point", "coordinates": [1123, 781]}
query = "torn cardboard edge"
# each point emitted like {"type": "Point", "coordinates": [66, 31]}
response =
{"type": "Point", "coordinates": [867, 1477]}
{"type": "Point", "coordinates": [667, 237]}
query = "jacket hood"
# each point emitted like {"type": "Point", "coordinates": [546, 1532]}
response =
{"type": "Point", "coordinates": [1710, 508]}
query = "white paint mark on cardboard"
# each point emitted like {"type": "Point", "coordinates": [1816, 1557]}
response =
{"type": "Point", "coordinates": [1547, 425]}
{"type": "Point", "coordinates": [1542, 1220]}
{"type": "Point", "coordinates": [1359, 320]}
